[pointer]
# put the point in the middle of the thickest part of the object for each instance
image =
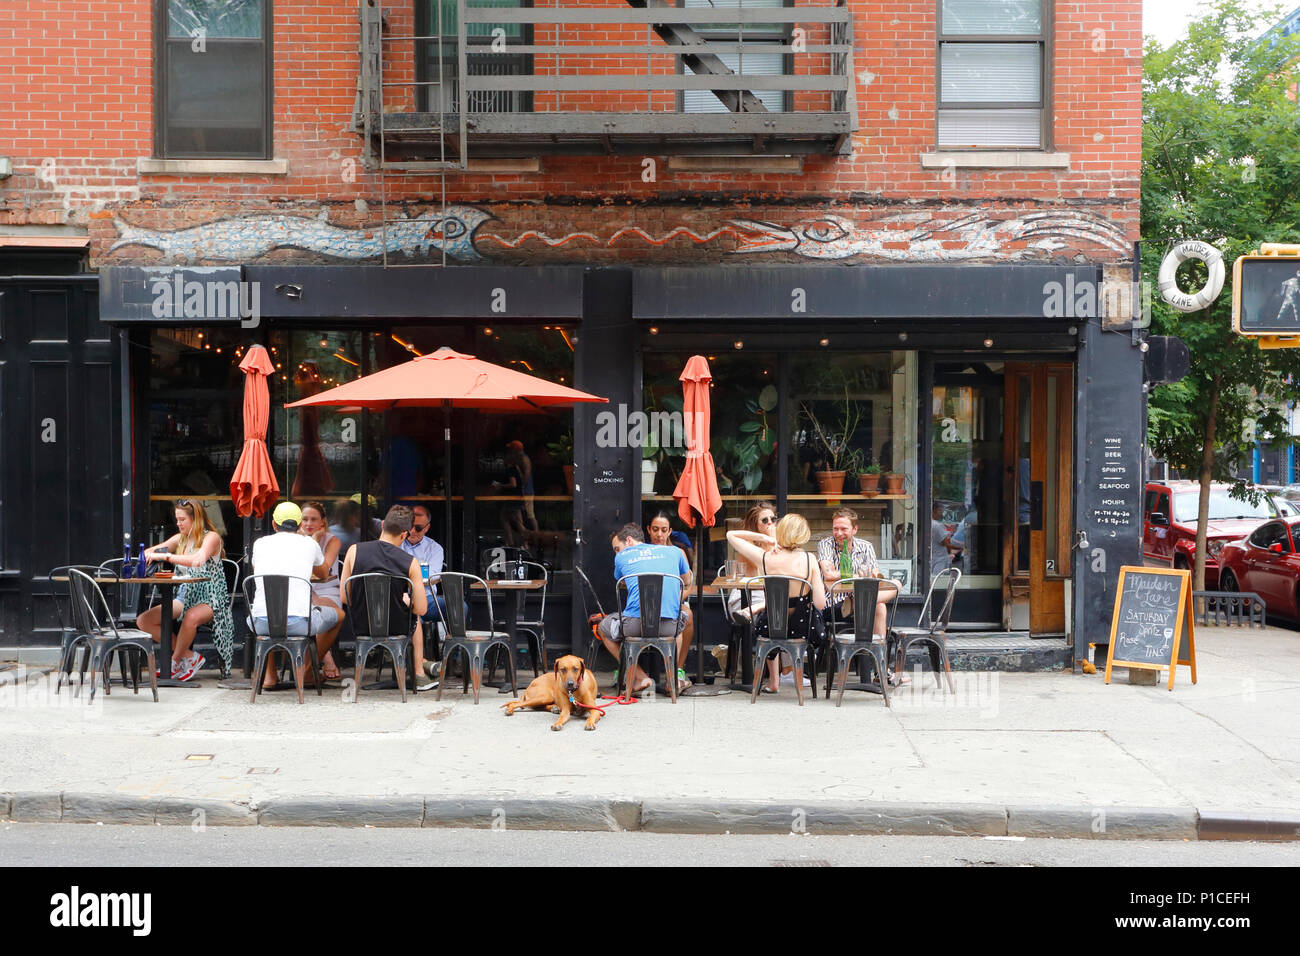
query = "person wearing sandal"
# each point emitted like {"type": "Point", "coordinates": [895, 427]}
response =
{"type": "Point", "coordinates": [783, 553]}
{"type": "Point", "coordinates": [324, 580]}
{"type": "Point", "coordinates": [633, 556]}
{"type": "Point", "coordinates": [297, 556]}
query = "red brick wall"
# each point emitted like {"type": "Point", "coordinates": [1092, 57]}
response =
{"type": "Point", "coordinates": [76, 89]}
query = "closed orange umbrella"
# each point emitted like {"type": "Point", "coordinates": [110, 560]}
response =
{"type": "Point", "coordinates": [253, 486]}
{"type": "Point", "coordinates": [698, 500]}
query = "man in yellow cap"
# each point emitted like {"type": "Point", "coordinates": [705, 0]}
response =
{"type": "Point", "coordinates": [289, 553]}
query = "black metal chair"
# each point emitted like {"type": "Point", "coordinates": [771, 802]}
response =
{"type": "Point", "coordinates": [297, 646]}
{"type": "Point", "coordinates": [858, 638]}
{"type": "Point", "coordinates": [650, 592]}
{"type": "Point", "coordinates": [70, 636]}
{"type": "Point", "coordinates": [492, 560]}
{"type": "Point", "coordinates": [593, 612]}
{"type": "Point", "coordinates": [128, 591]}
{"type": "Point", "coordinates": [932, 629]}
{"type": "Point", "coordinates": [376, 629]}
{"type": "Point", "coordinates": [533, 630]}
{"type": "Point", "coordinates": [473, 644]}
{"type": "Point", "coordinates": [203, 634]}
{"type": "Point", "coordinates": [92, 615]}
{"type": "Point", "coordinates": [776, 597]}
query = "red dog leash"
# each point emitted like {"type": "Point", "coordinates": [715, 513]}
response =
{"type": "Point", "coordinates": [621, 700]}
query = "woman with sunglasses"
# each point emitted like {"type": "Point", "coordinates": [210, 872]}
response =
{"type": "Point", "coordinates": [762, 519]}
{"type": "Point", "coordinates": [324, 582]}
{"type": "Point", "coordinates": [197, 546]}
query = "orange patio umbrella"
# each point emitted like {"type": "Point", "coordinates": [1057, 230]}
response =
{"type": "Point", "coordinates": [449, 379]}
{"type": "Point", "coordinates": [253, 486]}
{"type": "Point", "coordinates": [698, 500]}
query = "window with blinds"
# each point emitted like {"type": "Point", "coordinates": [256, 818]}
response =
{"type": "Point", "coordinates": [437, 61]}
{"type": "Point", "coordinates": [992, 67]}
{"type": "Point", "coordinates": [750, 64]}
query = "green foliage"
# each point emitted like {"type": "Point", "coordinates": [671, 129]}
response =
{"type": "Point", "coordinates": [1220, 163]}
{"type": "Point", "coordinates": [832, 436]}
{"type": "Point", "coordinates": [742, 456]}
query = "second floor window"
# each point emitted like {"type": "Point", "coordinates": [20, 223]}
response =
{"type": "Point", "coordinates": [212, 79]}
{"type": "Point", "coordinates": [764, 63]}
{"type": "Point", "coordinates": [438, 58]}
{"type": "Point", "coordinates": [993, 74]}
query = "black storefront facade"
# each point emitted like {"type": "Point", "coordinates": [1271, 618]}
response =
{"type": "Point", "coordinates": [1021, 430]}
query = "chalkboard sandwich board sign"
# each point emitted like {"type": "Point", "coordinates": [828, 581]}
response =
{"type": "Point", "coordinates": [1152, 606]}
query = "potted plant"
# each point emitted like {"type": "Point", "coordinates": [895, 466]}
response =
{"type": "Point", "coordinates": [869, 481]}
{"type": "Point", "coordinates": [832, 440]}
{"type": "Point", "coordinates": [650, 456]}
{"type": "Point", "coordinates": [562, 450]}
{"type": "Point", "coordinates": [894, 483]}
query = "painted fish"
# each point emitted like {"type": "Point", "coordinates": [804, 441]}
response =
{"type": "Point", "coordinates": [248, 237]}
{"type": "Point", "coordinates": [834, 237]}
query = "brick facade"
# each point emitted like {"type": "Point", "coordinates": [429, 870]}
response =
{"type": "Point", "coordinates": [76, 76]}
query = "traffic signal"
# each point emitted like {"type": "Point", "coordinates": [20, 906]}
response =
{"type": "Point", "coordinates": [1266, 296]}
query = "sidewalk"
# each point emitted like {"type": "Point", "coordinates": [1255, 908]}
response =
{"type": "Point", "coordinates": [1010, 754]}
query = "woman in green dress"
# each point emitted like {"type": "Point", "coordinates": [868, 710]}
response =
{"type": "Point", "coordinates": [197, 546]}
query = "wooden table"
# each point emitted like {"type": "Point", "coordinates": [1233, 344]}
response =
{"type": "Point", "coordinates": [166, 585]}
{"type": "Point", "coordinates": [518, 591]}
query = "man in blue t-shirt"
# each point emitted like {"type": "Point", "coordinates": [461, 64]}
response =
{"type": "Point", "coordinates": [633, 556]}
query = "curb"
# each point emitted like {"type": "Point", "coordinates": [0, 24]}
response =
{"type": "Point", "coordinates": [658, 816]}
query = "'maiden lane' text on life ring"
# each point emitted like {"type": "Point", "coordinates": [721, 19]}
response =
{"type": "Point", "coordinates": [1191, 301]}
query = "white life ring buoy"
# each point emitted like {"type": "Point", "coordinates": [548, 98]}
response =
{"type": "Point", "coordinates": [1195, 301]}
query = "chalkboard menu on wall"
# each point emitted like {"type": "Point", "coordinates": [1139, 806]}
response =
{"type": "Point", "coordinates": [1153, 609]}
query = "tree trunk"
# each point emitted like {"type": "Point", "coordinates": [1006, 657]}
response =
{"type": "Point", "coordinates": [1207, 472]}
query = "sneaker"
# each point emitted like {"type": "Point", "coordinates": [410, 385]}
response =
{"type": "Point", "coordinates": [423, 684]}
{"type": "Point", "coordinates": [189, 667]}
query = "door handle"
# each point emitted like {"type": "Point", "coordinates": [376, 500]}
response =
{"type": "Point", "coordinates": [1035, 506]}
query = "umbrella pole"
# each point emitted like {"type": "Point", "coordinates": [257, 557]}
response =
{"type": "Point", "coordinates": [448, 549]}
{"type": "Point", "coordinates": [699, 688]}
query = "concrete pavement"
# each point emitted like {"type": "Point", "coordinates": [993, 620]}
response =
{"type": "Point", "coordinates": [1010, 754]}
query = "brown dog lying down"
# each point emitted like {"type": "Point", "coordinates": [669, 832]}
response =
{"type": "Point", "coordinates": [552, 691]}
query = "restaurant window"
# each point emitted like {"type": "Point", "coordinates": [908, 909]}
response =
{"type": "Point", "coordinates": [743, 438]}
{"type": "Point", "coordinates": [317, 453]}
{"type": "Point", "coordinates": [212, 79]}
{"type": "Point", "coordinates": [967, 471]}
{"type": "Point", "coordinates": [750, 63]}
{"type": "Point", "coordinates": [855, 413]}
{"type": "Point", "coordinates": [537, 517]}
{"type": "Point", "coordinates": [992, 79]}
{"type": "Point", "coordinates": [195, 426]}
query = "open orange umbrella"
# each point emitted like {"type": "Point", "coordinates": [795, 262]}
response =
{"type": "Point", "coordinates": [698, 500]}
{"type": "Point", "coordinates": [253, 486]}
{"type": "Point", "coordinates": [449, 379]}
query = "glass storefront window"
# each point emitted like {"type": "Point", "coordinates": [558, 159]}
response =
{"type": "Point", "coordinates": [854, 411]}
{"type": "Point", "coordinates": [966, 461]}
{"type": "Point", "coordinates": [195, 426]}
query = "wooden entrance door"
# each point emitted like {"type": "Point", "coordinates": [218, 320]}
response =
{"type": "Point", "coordinates": [1038, 443]}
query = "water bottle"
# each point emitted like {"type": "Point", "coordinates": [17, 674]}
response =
{"type": "Point", "coordinates": [128, 566]}
{"type": "Point", "coordinates": [140, 568]}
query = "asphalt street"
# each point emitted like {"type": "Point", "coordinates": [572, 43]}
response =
{"type": "Point", "coordinates": [119, 845]}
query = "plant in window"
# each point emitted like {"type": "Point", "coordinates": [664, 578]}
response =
{"type": "Point", "coordinates": [562, 451]}
{"type": "Point", "coordinates": [869, 480]}
{"type": "Point", "coordinates": [742, 457]}
{"type": "Point", "coordinates": [831, 440]}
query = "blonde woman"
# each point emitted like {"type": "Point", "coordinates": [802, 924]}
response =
{"type": "Point", "coordinates": [196, 545]}
{"type": "Point", "coordinates": [783, 553]}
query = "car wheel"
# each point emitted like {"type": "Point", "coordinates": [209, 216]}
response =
{"type": "Point", "coordinates": [1227, 581]}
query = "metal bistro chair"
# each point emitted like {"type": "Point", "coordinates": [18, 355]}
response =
{"type": "Point", "coordinates": [592, 611]}
{"type": "Point", "coordinates": [493, 560]}
{"type": "Point", "coordinates": [650, 592]}
{"type": "Point", "coordinates": [931, 629]}
{"type": "Point", "coordinates": [534, 630]}
{"type": "Point", "coordinates": [737, 623]}
{"type": "Point", "coordinates": [776, 597]}
{"type": "Point", "coordinates": [474, 644]}
{"type": "Point", "coordinates": [297, 646]}
{"type": "Point", "coordinates": [92, 615]}
{"type": "Point", "coordinates": [376, 629]}
{"type": "Point", "coordinates": [850, 641]}
{"type": "Point", "coordinates": [233, 574]}
{"type": "Point", "coordinates": [71, 637]}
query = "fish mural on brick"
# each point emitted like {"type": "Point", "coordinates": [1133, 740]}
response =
{"type": "Point", "coordinates": [249, 237]}
{"type": "Point", "coordinates": [970, 237]}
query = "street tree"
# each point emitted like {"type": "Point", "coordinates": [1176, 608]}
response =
{"type": "Point", "coordinates": [1220, 163]}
